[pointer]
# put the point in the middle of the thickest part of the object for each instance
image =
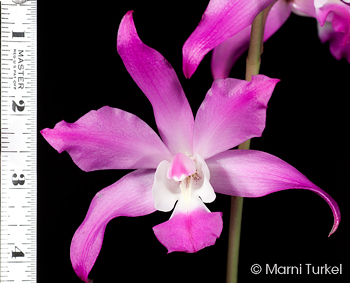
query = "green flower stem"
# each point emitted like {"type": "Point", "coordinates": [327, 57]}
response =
{"type": "Point", "coordinates": [255, 48]}
{"type": "Point", "coordinates": [252, 68]}
{"type": "Point", "coordinates": [233, 240]}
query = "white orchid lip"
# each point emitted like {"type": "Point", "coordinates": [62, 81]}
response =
{"type": "Point", "coordinates": [186, 180]}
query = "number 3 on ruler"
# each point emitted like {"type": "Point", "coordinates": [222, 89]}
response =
{"type": "Point", "coordinates": [19, 180]}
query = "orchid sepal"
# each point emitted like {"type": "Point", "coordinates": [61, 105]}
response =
{"type": "Point", "coordinates": [252, 173]}
{"type": "Point", "coordinates": [158, 81]}
{"type": "Point", "coordinates": [130, 196]}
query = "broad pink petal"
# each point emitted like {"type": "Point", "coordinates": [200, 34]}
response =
{"type": "Point", "coordinates": [336, 46]}
{"type": "Point", "coordinates": [191, 231]}
{"type": "Point", "coordinates": [336, 12]}
{"type": "Point", "coordinates": [226, 54]}
{"type": "Point", "coordinates": [158, 81]}
{"type": "Point", "coordinates": [232, 112]}
{"type": "Point", "coordinates": [251, 173]}
{"type": "Point", "coordinates": [181, 167]}
{"type": "Point", "coordinates": [130, 196]}
{"type": "Point", "coordinates": [221, 20]}
{"type": "Point", "coordinates": [108, 138]}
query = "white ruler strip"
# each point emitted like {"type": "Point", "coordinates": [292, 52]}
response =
{"type": "Point", "coordinates": [18, 141]}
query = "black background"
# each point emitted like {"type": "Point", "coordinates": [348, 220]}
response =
{"type": "Point", "coordinates": [307, 126]}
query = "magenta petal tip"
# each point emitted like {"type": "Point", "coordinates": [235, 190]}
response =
{"type": "Point", "coordinates": [335, 227]}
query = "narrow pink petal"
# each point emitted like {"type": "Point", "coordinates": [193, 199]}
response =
{"type": "Point", "coordinates": [181, 167]}
{"type": "Point", "coordinates": [130, 196]}
{"type": "Point", "coordinates": [338, 13]}
{"type": "Point", "coordinates": [226, 54]}
{"type": "Point", "coordinates": [251, 173]}
{"type": "Point", "coordinates": [157, 79]}
{"type": "Point", "coordinates": [190, 232]}
{"type": "Point", "coordinates": [232, 112]}
{"type": "Point", "coordinates": [108, 138]}
{"type": "Point", "coordinates": [221, 20]}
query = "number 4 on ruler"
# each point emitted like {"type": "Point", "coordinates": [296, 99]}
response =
{"type": "Point", "coordinates": [17, 253]}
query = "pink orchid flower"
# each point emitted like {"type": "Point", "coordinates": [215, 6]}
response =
{"type": "Point", "coordinates": [333, 18]}
{"type": "Point", "coordinates": [184, 168]}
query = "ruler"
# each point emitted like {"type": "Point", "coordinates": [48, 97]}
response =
{"type": "Point", "coordinates": [18, 141]}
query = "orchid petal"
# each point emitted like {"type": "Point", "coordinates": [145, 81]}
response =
{"type": "Point", "coordinates": [337, 13]}
{"type": "Point", "coordinates": [130, 196]}
{"type": "Point", "coordinates": [232, 112]}
{"type": "Point", "coordinates": [190, 231]}
{"type": "Point", "coordinates": [221, 20]}
{"type": "Point", "coordinates": [251, 173]}
{"type": "Point", "coordinates": [158, 81]}
{"type": "Point", "coordinates": [108, 138]}
{"type": "Point", "coordinates": [227, 53]}
{"type": "Point", "coordinates": [336, 46]}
